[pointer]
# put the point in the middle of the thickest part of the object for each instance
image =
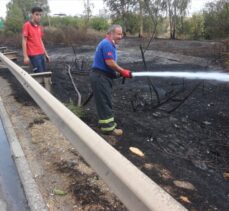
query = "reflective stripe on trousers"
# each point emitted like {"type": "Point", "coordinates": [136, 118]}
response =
{"type": "Point", "coordinates": [107, 125]}
{"type": "Point", "coordinates": [102, 89]}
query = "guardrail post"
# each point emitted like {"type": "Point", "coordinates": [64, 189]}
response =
{"type": "Point", "coordinates": [43, 78]}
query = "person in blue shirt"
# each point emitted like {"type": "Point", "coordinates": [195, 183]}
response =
{"type": "Point", "coordinates": [104, 70]}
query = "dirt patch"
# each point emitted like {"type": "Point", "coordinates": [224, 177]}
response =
{"type": "Point", "coordinates": [55, 164]}
{"type": "Point", "coordinates": [182, 128]}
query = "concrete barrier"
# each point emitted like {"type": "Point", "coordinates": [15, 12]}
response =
{"type": "Point", "coordinates": [33, 195]}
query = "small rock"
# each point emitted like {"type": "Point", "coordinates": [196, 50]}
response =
{"type": "Point", "coordinates": [207, 123]}
{"type": "Point", "coordinates": [148, 166]}
{"type": "Point", "coordinates": [151, 139]}
{"type": "Point", "coordinates": [210, 104]}
{"type": "Point", "coordinates": [184, 120]}
{"type": "Point", "coordinates": [200, 165]}
{"type": "Point", "coordinates": [172, 119]}
{"type": "Point", "coordinates": [176, 126]}
{"type": "Point", "coordinates": [156, 114]}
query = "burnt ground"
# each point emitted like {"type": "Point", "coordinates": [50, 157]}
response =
{"type": "Point", "coordinates": [182, 126]}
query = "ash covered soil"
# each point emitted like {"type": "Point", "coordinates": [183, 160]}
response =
{"type": "Point", "coordinates": [181, 126]}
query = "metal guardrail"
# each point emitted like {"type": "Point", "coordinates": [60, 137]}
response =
{"type": "Point", "coordinates": [3, 49]}
{"type": "Point", "coordinates": [136, 190]}
{"type": "Point", "coordinates": [44, 79]}
{"type": "Point", "coordinates": [11, 55]}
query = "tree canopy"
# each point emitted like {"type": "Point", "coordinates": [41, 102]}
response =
{"type": "Point", "coordinates": [142, 17]}
{"type": "Point", "coordinates": [18, 11]}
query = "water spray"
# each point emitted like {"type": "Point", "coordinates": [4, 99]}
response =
{"type": "Point", "coordinates": [224, 77]}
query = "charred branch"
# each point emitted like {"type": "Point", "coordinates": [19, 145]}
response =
{"type": "Point", "coordinates": [74, 85]}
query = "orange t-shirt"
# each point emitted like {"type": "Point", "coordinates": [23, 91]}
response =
{"type": "Point", "coordinates": [34, 34]}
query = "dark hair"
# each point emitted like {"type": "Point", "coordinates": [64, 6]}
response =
{"type": "Point", "coordinates": [36, 9]}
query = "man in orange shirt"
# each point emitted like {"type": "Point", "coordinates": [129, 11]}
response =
{"type": "Point", "coordinates": [32, 44]}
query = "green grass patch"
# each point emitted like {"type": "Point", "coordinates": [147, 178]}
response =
{"type": "Point", "coordinates": [77, 110]}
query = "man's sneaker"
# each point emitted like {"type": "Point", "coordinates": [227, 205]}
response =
{"type": "Point", "coordinates": [117, 132]}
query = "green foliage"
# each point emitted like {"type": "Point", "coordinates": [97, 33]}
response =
{"type": "Point", "coordinates": [1, 23]}
{"type": "Point", "coordinates": [212, 23]}
{"type": "Point", "coordinates": [193, 28]}
{"type": "Point", "coordinates": [67, 21]}
{"type": "Point", "coordinates": [157, 16]}
{"type": "Point", "coordinates": [117, 20]}
{"type": "Point", "coordinates": [26, 5]}
{"type": "Point", "coordinates": [18, 12]}
{"type": "Point", "coordinates": [78, 111]}
{"type": "Point", "coordinates": [121, 10]}
{"type": "Point", "coordinates": [147, 25]}
{"type": "Point", "coordinates": [14, 20]}
{"type": "Point", "coordinates": [216, 19]}
{"type": "Point", "coordinates": [162, 26]}
{"type": "Point", "coordinates": [66, 30]}
{"type": "Point", "coordinates": [120, 7]}
{"type": "Point", "coordinates": [99, 23]}
{"type": "Point", "coordinates": [131, 22]}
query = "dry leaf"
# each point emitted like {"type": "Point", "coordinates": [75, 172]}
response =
{"type": "Point", "coordinates": [184, 184]}
{"type": "Point", "coordinates": [226, 175]}
{"type": "Point", "coordinates": [185, 199]}
{"type": "Point", "coordinates": [59, 192]}
{"type": "Point", "coordinates": [136, 151]}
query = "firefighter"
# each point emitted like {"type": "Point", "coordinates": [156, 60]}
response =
{"type": "Point", "coordinates": [104, 70]}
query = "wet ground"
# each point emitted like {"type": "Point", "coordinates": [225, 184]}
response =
{"type": "Point", "coordinates": [12, 197]}
{"type": "Point", "coordinates": [180, 125]}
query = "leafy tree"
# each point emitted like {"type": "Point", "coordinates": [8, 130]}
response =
{"type": "Point", "coordinates": [26, 5]}
{"type": "Point", "coordinates": [176, 10]}
{"type": "Point", "coordinates": [155, 9]}
{"type": "Point", "coordinates": [197, 26]}
{"type": "Point", "coordinates": [141, 23]}
{"type": "Point", "coordinates": [132, 24]}
{"type": "Point", "coordinates": [99, 23]}
{"type": "Point", "coordinates": [14, 19]}
{"type": "Point", "coordinates": [216, 19]}
{"type": "Point", "coordinates": [87, 13]}
{"type": "Point", "coordinates": [120, 10]}
{"type": "Point", "coordinates": [87, 7]}
{"type": "Point", "coordinates": [67, 21]}
{"type": "Point", "coordinates": [194, 26]}
{"type": "Point", "coordinates": [19, 10]}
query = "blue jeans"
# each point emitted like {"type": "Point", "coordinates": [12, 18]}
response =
{"type": "Point", "coordinates": [38, 63]}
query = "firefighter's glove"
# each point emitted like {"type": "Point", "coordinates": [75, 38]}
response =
{"type": "Point", "coordinates": [126, 73]}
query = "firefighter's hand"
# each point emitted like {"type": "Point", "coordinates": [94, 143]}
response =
{"type": "Point", "coordinates": [26, 60]}
{"type": "Point", "coordinates": [126, 73]}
